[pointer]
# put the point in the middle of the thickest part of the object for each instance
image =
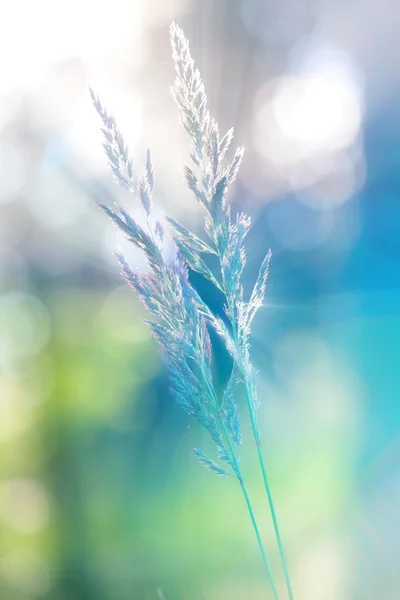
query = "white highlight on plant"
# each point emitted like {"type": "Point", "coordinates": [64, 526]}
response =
{"type": "Point", "coordinates": [82, 135]}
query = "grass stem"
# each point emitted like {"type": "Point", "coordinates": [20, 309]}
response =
{"type": "Point", "coordinates": [250, 405]}
{"type": "Point", "coordinates": [251, 512]}
{"type": "Point", "coordinates": [259, 540]}
{"type": "Point", "coordinates": [236, 468]}
{"type": "Point", "coordinates": [268, 491]}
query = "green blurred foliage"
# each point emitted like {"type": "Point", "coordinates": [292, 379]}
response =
{"type": "Point", "coordinates": [100, 497]}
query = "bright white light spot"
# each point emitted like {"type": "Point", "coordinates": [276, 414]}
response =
{"type": "Point", "coordinates": [321, 110]}
{"type": "Point", "coordinates": [307, 127]}
{"type": "Point", "coordinates": [35, 35]}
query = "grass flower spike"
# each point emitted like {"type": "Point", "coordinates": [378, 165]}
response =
{"type": "Point", "coordinates": [226, 235]}
{"type": "Point", "coordinates": [180, 319]}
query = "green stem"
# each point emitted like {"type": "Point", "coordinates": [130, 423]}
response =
{"type": "Point", "coordinates": [250, 405]}
{"type": "Point", "coordinates": [269, 494]}
{"type": "Point", "coordinates": [254, 426]}
{"type": "Point", "coordinates": [238, 474]}
{"type": "Point", "coordinates": [237, 471]}
{"type": "Point", "coordinates": [259, 540]}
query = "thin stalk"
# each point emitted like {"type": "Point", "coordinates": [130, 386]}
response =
{"type": "Point", "coordinates": [237, 471]}
{"type": "Point", "coordinates": [269, 494]}
{"type": "Point", "coordinates": [254, 426]}
{"type": "Point", "coordinates": [259, 540]}
{"type": "Point", "coordinates": [251, 512]}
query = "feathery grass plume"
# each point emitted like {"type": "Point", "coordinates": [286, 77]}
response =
{"type": "Point", "coordinates": [181, 317]}
{"type": "Point", "coordinates": [226, 236]}
{"type": "Point", "coordinates": [114, 146]}
{"type": "Point", "coordinates": [181, 330]}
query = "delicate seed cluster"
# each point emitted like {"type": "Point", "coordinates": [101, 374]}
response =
{"type": "Point", "coordinates": [182, 317]}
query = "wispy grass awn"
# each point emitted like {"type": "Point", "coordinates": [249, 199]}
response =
{"type": "Point", "coordinates": [182, 318]}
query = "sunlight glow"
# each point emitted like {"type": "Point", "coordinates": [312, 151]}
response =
{"type": "Point", "coordinates": [321, 110]}
{"type": "Point", "coordinates": [307, 127]}
{"type": "Point", "coordinates": [36, 35]}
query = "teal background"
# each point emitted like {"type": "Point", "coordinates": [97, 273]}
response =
{"type": "Point", "coordinates": [100, 496]}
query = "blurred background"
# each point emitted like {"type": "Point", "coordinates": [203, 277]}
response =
{"type": "Point", "coordinates": [100, 497]}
